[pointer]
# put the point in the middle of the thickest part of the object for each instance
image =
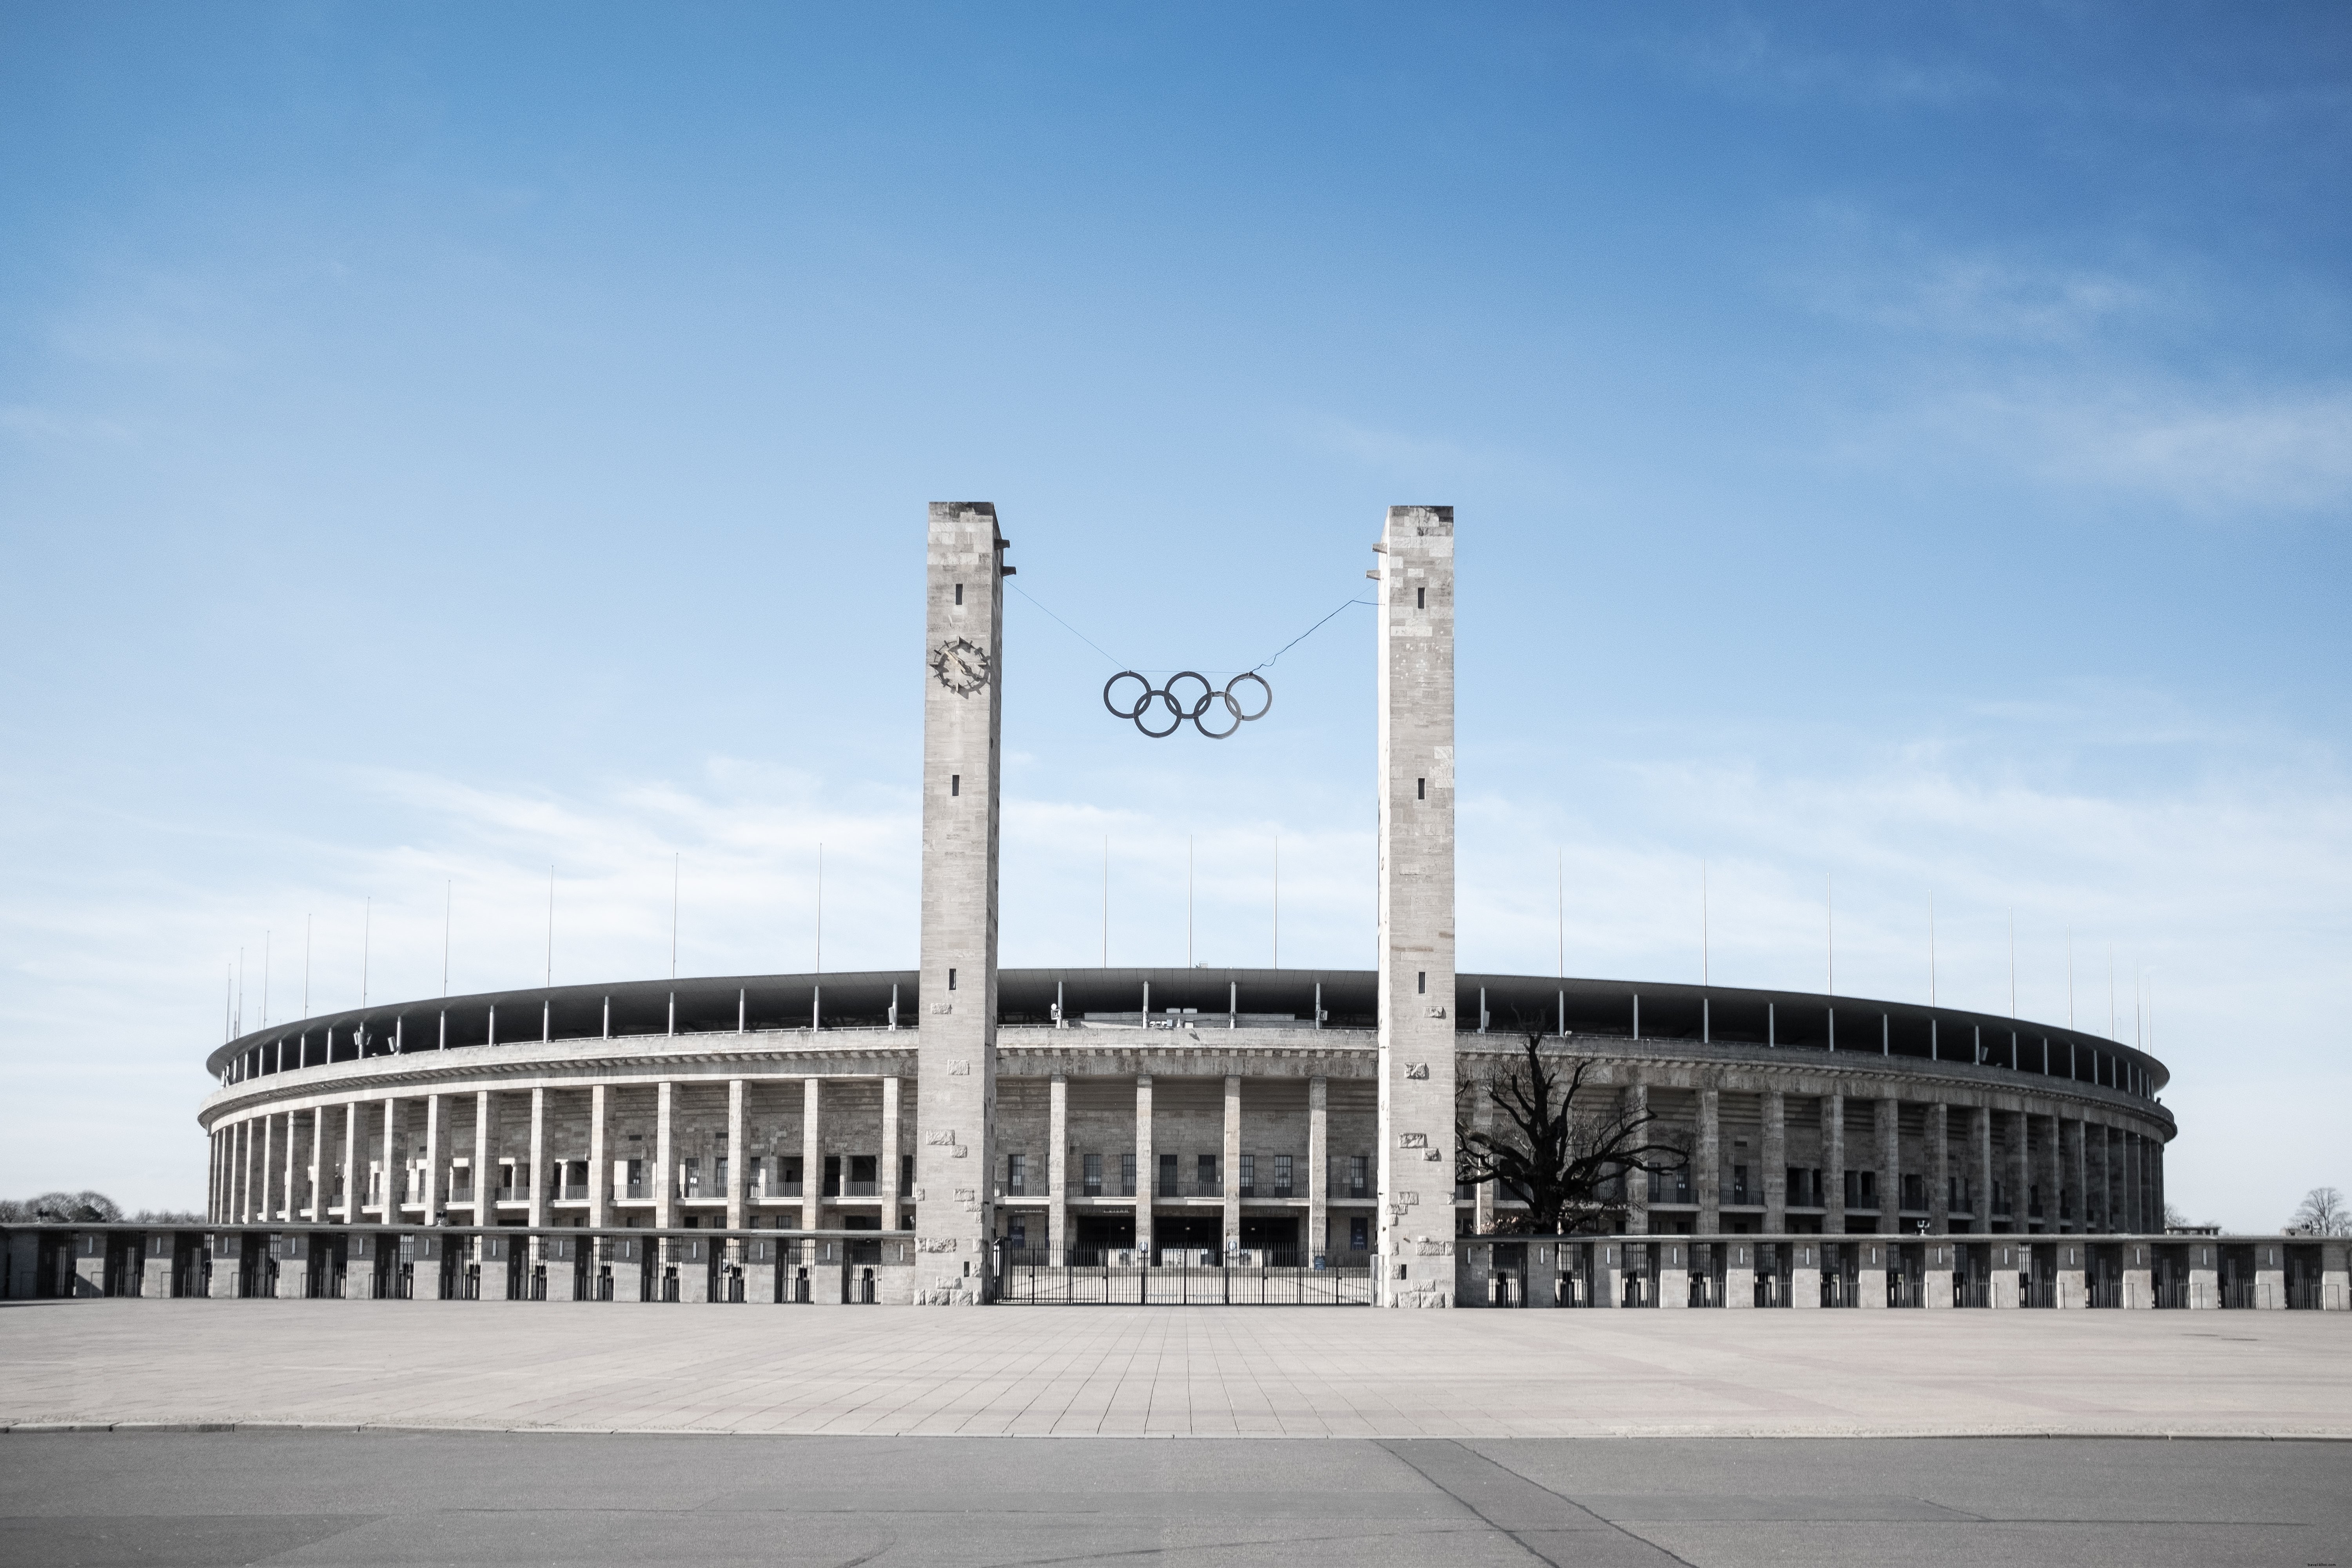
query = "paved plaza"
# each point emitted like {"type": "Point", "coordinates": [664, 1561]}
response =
{"type": "Point", "coordinates": [1173, 1372]}
{"type": "Point", "coordinates": [118, 1500]}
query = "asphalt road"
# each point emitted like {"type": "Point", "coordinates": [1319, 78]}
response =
{"type": "Point", "coordinates": [97, 1500]}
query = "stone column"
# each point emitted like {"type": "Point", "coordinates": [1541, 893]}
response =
{"type": "Point", "coordinates": [2098, 1207]}
{"type": "Point", "coordinates": [665, 1154]}
{"type": "Point", "coordinates": [1708, 1188]}
{"type": "Point", "coordinates": [1146, 1174]}
{"type": "Point", "coordinates": [1636, 1097]}
{"type": "Point", "coordinates": [542, 1178]}
{"type": "Point", "coordinates": [393, 1173]}
{"type": "Point", "coordinates": [1057, 1170]}
{"type": "Point", "coordinates": [1229, 1185]}
{"type": "Point", "coordinates": [233, 1203]}
{"type": "Point", "coordinates": [485, 1159]}
{"type": "Point", "coordinates": [1776, 1163]}
{"type": "Point", "coordinates": [436, 1156]}
{"type": "Point", "coordinates": [813, 1159]}
{"type": "Point", "coordinates": [600, 1156]}
{"type": "Point", "coordinates": [2077, 1162]}
{"type": "Point", "coordinates": [737, 1169]}
{"type": "Point", "coordinates": [1981, 1166]}
{"type": "Point", "coordinates": [955, 1085]}
{"type": "Point", "coordinates": [2134, 1204]}
{"type": "Point", "coordinates": [268, 1167]}
{"type": "Point", "coordinates": [2156, 1182]}
{"type": "Point", "coordinates": [2053, 1174]}
{"type": "Point", "coordinates": [1319, 1167]}
{"type": "Point", "coordinates": [354, 1175]}
{"type": "Point", "coordinates": [1482, 1117]}
{"type": "Point", "coordinates": [1939, 1169]}
{"type": "Point", "coordinates": [319, 1208]}
{"type": "Point", "coordinates": [1890, 1167]}
{"type": "Point", "coordinates": [892, 1198]}
{"type": "Point", "coordinates": [1414, 643]}
{"type": "Point", "coordinates": [1833, 1164]}
{"type": "Point", "coordinates": [2021, 1170]}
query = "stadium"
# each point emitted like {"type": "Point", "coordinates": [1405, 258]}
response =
{"type": "Point", "coordinates": [959, 1134]}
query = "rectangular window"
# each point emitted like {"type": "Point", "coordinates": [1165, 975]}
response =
{"type": "Point", "coordinates": [959, 593]}
{"type": "Point", "coordinates": [950, 979]}
{"type": "Point", "coordinates": [1127, 1176]}
{"type": "Point", "coordinates": [1739, 1183]}
{"type": "Point", "coordinates": [1360, 1176]}
{"type": "Point", "coordinates": [693, 1182]}
{"type": "Point", "coordinates": [637, 1188]}
{"type": "Point", "coordinates": [1420, 598]}
{"type": "Point", "coordinates": [1282, 1176]}
{"type": "Point", "coordinates": [1016, 1176]}
{"type": "Point", "coordinates": [863, 1169]}
{"type": "Point", "coordinates": [832, 1177]}
{"type": "Point", "coordinates": [1206, 1180]}
{"type": "Point", "coordinates": [955, 783]}
{"type": "Point", "coordinates": [1248, 1174]}
{"type": "Point", "coordinates": [792, 1175]}
{"type": "Point", "coordinates": [1359, 1240]}
{"type": "Point", "coordinates": [1094, 1175]}
{"type": "Point", "coordinates": [1421, 983]}
{"type": "Point", "coordinates": [1421, 789]}
{"type": "Point", "coordinates": [719, 1176]}
{"type": "Point", "coordinates": [905, 1174]}
{"type": "Point", "coordinates": [1168, 1176]}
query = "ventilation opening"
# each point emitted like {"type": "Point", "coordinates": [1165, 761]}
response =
{"type": "Point", "coordinates": [1421, 983]}
{"type": "Point", "coordinates": [955, 783]}
{"type": "Point", "coordinates": [1421, 789]}
{"type": "Point", "coordinates": [1420, 598]}
{"type": "Point", "coordinates": [959, 593]}
{"type": "Point", "coordinates": [950, 979]}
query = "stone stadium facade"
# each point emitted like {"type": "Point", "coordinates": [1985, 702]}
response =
{"type": "Point", "coordinates": [960, 1134]}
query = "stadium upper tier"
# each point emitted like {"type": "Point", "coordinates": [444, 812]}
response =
{"type": "Point", "coordinates": [1256, 999]}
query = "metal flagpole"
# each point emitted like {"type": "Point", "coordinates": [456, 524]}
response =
{"type": "Point", "coordinates": [367, 929]}
{"type": "Point", "coordinates": [550, 926]}
{"type": "Point", "coordinates": [820, 908]}
{"type": "Point", "coordinates": [265, 978]}
{"type": "Point", "coordinates": [1705, 962]}
{"type": "Point", "coordinates": [1106, 918]}
{"type": "Point", "coordinates": [1277, 900]}
{"type": "Point", "coordinates": [673, 915]}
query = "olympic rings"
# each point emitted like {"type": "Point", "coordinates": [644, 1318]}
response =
{"type": "Point", "coordinates": [1165, 701]}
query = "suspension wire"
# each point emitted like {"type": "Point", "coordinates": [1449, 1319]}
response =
{"type": "Point", "coordinates": [1262, 664]}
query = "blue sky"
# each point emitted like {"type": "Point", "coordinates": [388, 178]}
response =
{"type": "Point", "coordinates": [1911, 446]}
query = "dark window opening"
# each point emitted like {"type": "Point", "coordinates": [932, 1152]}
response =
{"type": "Point", "coordinates": [1421, 789]}
{"type": "Point", "coordinates": [1420, 598]}
{"type": "Point", "coordinates": [955, 783]}
{"type": "Point", "coordinates": [950, 979]}
{"type": "Point", "coordinates": [1421, 983]}
{"type": "Point", "coordinates": [959, 593]}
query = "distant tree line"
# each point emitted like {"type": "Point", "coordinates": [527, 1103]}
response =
{"type": "Point", "coordinates": [86, 1208]}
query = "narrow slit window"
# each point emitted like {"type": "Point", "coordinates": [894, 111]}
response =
{"type": "Point", "coordinates": [1421, 983]}
{"type": "Point", "coordinates": [955, 783]}
{"type": "Point", "coordinates": [959, 593]}
{"type": "Point", "coordinates": [1421, 789]}
{"type": "Point", "coordinates": [1420, 598]}
{"type": "Point", "coordinates": [950, 979]}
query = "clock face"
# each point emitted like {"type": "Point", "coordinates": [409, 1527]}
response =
{"type": "Point", "coordinates": [961, 665]}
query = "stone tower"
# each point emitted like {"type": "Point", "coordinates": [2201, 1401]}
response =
{"type": "Point", "coordinates": [1415, 1263]}
{"type": "Point", "coordinates": [963, 710]}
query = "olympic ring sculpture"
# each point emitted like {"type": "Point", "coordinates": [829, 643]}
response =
{"type": "Point", "coordinates": [1158, 701]}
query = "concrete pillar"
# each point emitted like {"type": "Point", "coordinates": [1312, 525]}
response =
{"type": "Point", "coordinates": [665, 1183]}
{"type": "Point", "coordinates": [320, 1171]}
{"type": "Point", "coordinates": [1980, 1167]}
{"type": "Point", "coordinates": [354, 1162]}
{"type": "Point", "coordinates": [1708, 1188]}
{"type": "Point", "coordinates": [1319, 1167]}
{"type": "Point", "coordinates": [1939, 1169]}
{"type": "Point", "coordinates": [486, 1159]}
{"type": "Point", "coordinates": [542, 1178]}
{"type": "Point", "coordinates": [1890, 1167]}
{"type": "Point", "coordinates": [813, 1159]}
{"type": "Point", "coordinates": [390, 1175]}
{"type": "Point", "coordinates": [1057, 1169]}
{"type": "Point", "coordinates": [1229, 1185]}
{"type": "Point", "coordinates": [2051, 1178]}
{"type": "Point", "coordinates": [2099, 1210]}
{"type": "Point", "coordinates": [1833, 1164]}
{"type": "Point", "coordinates": [1414, 643]}
{"type": "Point", "coordinates": [955, 1087]}
{"type": "Point", "coordinates": [2021, 1170]}
{"type": "Point", "coordinates": [436, 1156]}
{"type": "Point", "coordinates": [1146, 1173]}
{"type": "Point", "coordinates": [600, 1157]}
{"type": "Point", "coordinates": [2157, 1222]}
{"type": "Point", "coordinates": [737, 1171]}
{"type": "Point", "coordinates": [1635, 1099]}
{"type": "Point", "coordinates": [893, 1199]}
{"type": "Point", "coordinates": [268, 1168]}
{"type": "Point", "coordinates": [1776, 1163]}
{"type": "Point", "coordinates": [1482, 1117]}
{"type": "Point", "coordinates": [2077, 1162]}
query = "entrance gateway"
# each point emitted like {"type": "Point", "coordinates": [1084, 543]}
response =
{"type": "Point", "coordinates": [1201, 1243]}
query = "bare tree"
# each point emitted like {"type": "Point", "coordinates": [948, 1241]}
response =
{"type": "Point", "coordinates": [2322, 1212]}
{"type": "Point", "coordinates": [72, 1208]}
{"type": "Point", "coordinates": [1560, 1155]}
